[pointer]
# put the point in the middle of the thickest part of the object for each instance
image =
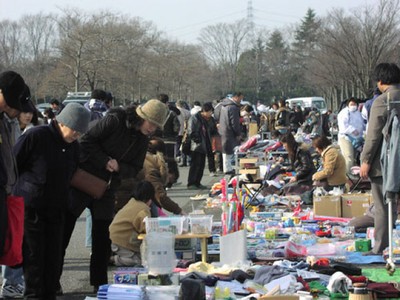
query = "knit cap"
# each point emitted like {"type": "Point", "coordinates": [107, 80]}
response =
{"type": "Point", "coordinates": [153, 111]}
{"type": "Point", "coordinates": [75, 117]}
{"type": "Point", "coordinates": [12, 86]}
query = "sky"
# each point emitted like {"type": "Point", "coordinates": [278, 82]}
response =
{"type": "Point", "coordinates": [183, 19]}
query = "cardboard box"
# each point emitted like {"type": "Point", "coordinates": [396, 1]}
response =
{"type": "Point", "coordinates": [246, 162]}
{"type": "Point", "coordinates": [253, 129]}
{"type": "Point", "coordinates": [355, 205]}
{"type": "Point", "coordinates": [327, 206]}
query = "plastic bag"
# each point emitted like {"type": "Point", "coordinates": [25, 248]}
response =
{"type": "Point", "coordinates": [158, 251]}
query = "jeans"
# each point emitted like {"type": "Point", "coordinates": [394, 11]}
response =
{"type": "Point", "coordinates": [13, 276]}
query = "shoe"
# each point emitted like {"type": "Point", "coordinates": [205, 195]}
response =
{"type": "Point", "coordinates": [59, 292]}
{"type": "Point", "coordinates": [212, 174]}
{"type": "Point", "coordinates": [192, 187]}
{"type": "Point", "coordinates": [199, 197]}
{"type": "Point", "coordinates": [202, 187]}
{"type": "Point", "coordinates": [230, 173]}
{"type": "Point", "coordinates": [12, 291]}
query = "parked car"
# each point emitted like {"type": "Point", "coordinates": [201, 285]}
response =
{"type": "Point", "coordinates": [77, 97]}
{"type": "Point", "coordinates": [309, 102]}
{"type": "Point", "coordinates": [42, 107]}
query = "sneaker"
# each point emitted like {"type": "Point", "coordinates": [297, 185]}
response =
{"type": "Point", "coordinates": [192, 187]}
{"type": "Point", "coordinates": [199, 197]}
{"type": "Point", "coordinates": [12, 291]}
{"type": "Point", "coordinates": [212, 174]}
{"type": "Point", "coordinates": [202, 187]}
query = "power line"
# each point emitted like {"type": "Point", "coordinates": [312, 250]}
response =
{"type": "Point", "coordinates": [206, 21]}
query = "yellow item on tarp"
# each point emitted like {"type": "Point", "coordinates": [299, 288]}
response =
{"type": "Point", "coordinates": [210, 269]}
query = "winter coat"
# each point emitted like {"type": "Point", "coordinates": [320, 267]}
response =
{"type": "Point", "coordinates": [200, 133]}
{"type": "Point", "coordinates": [46, 164]}
{"type": "Point", "coordinates": [128, 224]}
{"type": "Point", "coordinates": [229, 125]}
{"type": "Point", "coordinates": [303, 165]}
{"type": "Point", "coordinates": [155, 171]}
{"type": "Point", "coordinates": [377, 120]}
{"type": "Point", "coordinates": [171, 127]}
{"type": "Point", "coordinates": [282, 118]}
{"type": "Point", "coordinates": [334, 167]}
{"type": "Point", "coordinates": [110, 138]}
{"type": "Point", "coordinates": [390, 155]}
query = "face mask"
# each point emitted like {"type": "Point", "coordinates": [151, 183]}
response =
{"type": "Point", "coordinates": [352, 108]}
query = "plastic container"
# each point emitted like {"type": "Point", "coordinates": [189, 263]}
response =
{"type": "Point", "coordinates": [201, 224]}
{"type": "Point", "coordinates": [175, 225]}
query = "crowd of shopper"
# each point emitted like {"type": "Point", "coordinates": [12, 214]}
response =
{"type": "Point", "coordinates": [136, 150]}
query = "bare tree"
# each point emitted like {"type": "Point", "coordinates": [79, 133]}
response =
{"type": "Point", "coordinates": [222, 45]}
{"type": "Point", "coordinates": [352, 45]}
{"type": "Point", "coordinates": [10, 44]}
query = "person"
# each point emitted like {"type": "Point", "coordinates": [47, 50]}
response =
{"type": "Point", "coordinates": [113, 149]}
{"type": "Point", "coordinates": [229, 129]}
{"type": "Point", "coordinates": [96, 105]}
{"type": "Point", "coordinates": [196, 108]}
{"type": "Point", "coordinates": [199, 133]}
{"type": "Point", "coordinates": [56, 106]}
{"type": "Point", "coordinates": [213, 157]}
{"type": "Point", "coordinates": [47, 157]}
{"type": "Point", "coordinates": [300, 162]}
{"type": "Point", "coordinates": [27, 118]}
{"type": "Point", "coordinates": [171, 127]}
{"type": "Point", "coordinates": [48, 115]}
{"type": "Point", "coordinates": [12, 88]}
{"type": "Point", "coordinates": [13, 283]}
{"type": "Point", "coordinates": [366, 109]}
{"type": "Point", "coordinates": [313, 122]}
{"type": "Point", "coordinates": [183, 119]}
{"type": "Point", "coordinates": [275, 136]}
{"type": "Point", "coordinates": [296, 118]}
{"type": "Point", "coordinates": [156, 171]}
{"type": "Point", "coordinates": [333, 173]}
{"type": "Point", "coordinates": [387, 76]}
{"type": "Point", "coordinates": [351, 128]}
{"type": "Point", "coordinates": [282, 117]}
{"type": "Point", "coordinates": [362, 223]}
{"type": "Point", "coordinates": [128, 223]}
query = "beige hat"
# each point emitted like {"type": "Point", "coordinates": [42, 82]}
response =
{"type": "Point", "coordinates": [153, 111]}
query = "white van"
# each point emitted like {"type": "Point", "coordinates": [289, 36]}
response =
{"type": "Point", "coordinates": [310, 102]}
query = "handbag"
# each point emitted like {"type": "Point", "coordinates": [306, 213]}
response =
{"type": "Point", "coordinates": [12, 252]}
{"type": "Point", "coordinates": [186, 144]}
{"type": "Point", "coordinates": [92, 185]}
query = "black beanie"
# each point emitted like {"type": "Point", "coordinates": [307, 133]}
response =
{"type": "Point", "coordinates": [12, 87]}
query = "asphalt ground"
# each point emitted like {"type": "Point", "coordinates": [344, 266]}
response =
{"type": "Point", "coordinates": [75, 278]}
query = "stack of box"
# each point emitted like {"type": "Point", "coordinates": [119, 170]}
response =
{"type": "Point", "coordinates": [346, 205]}
{"type": "Point", "coordinates": [249, 166]}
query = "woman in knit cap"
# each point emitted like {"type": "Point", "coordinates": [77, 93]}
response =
{"type": "Point", "coordinates": [113, 149]}
{"type": "Point", "coordinates": [47, 157]}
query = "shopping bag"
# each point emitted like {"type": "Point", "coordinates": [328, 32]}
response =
{"type": "Point", "coordinates": [88, 183]}
{"type": "Point", "coordinates": [12, 254]}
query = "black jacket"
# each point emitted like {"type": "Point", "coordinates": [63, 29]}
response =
{"type": "Point", "coordinates": [110, 138]}
{"type": "Point", "coordinates": [303, 166]}
{"type": "Point", "coordinates": [45, 164]}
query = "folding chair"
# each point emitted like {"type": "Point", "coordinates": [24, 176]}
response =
{"type": "Point", "coordinates": [269, 174]}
